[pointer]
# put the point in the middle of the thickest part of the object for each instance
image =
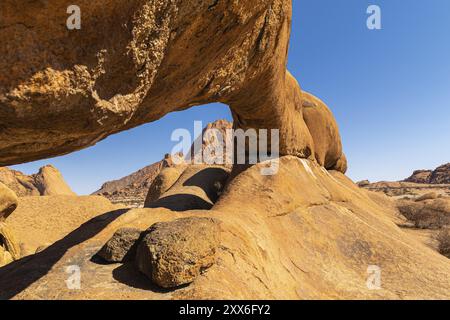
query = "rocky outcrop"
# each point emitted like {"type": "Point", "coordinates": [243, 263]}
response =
{"type": "Point", "coordinates": [420, 176]}
{"type": "Point", "coordinates": [304, 233]}
{"type": "Point", "coordinates": [132, 189]}
{"type": "Point", "coordinates": [162, 183]}
{"type": "Point", "coordinates": [150, 183]}
{"type": "Point", "coordinates": [440, 175]}
{"type": "Point", "coordinates": [176, 253]}
{"type": "Point", "coordinates": [215, 136]}
{"type": "Point", "coordinates": [136, 181]}
{"type": "Point", "coordinates": [325, 133]}
{"type": "Point", "coordinates": [165, 56]}
{"type": "Point", "coordinates": [47, 182]}
{"type": "Point", "coordinates": [197, 188]}
{"type": "Point", "coordinates": [443, 239]}
{"type": "Point", "coordinates": [421, 183]}
{"type": "Point", "coordinates": [275, 243]}
{"type": "Point", "coordinates": [9, 246]}
{"type": "Point", "coordinates": [363, 183]}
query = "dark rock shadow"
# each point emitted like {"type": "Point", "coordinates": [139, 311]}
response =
{"type": "Point", "coordinates": [206, 180]}
{"type": "Point", "coordinates": [129, 275]}
{"type": "Point", "coordinates": [182, 202]}
{"type": "Point", "coordinates": [19, 275]}
{"type": "Point", "coordinates": [210, 180]}
{"type": "Point", "coordinates": [100, 261]}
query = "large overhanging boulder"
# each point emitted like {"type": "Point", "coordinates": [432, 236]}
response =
{"type": "Point", "coordinates": [134, 61]}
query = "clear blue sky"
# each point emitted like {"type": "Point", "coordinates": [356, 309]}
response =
{"type": "Point", "coordinates": [389, 90]}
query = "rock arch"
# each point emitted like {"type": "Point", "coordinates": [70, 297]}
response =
{"type": "Point", "coordinates": [134, 61]}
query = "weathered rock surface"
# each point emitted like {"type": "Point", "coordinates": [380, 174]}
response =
{"type": "Point", "coordinates": [443, 239]}
{"type": "Point", "coordinates": [197, 188]}
{"type": "Point", "coordinates": [8, 201]}
{"type": "Point", "coordinates": [316, 243]}
{"type": "Point", "coordinates": [162, 183]}
{"type": "Point", "coordinates": [159, 57]}
{"type": "Point", "coordinates": [324, 131]}
{"type": "Point", "coordinates": [5, 257]}
{"type": "Point", "coordinates": [41, 220]}
{"type": "Point", "coordinates": [305, 233]}
{"type": "Point", "coordinates": [47, 182]}
{"type": "Point", "coordinates": [9, 247]}
{"type": "Point", "coordinates": [177, 252]}
{"type": "Point", "coordinates": [122, 246]}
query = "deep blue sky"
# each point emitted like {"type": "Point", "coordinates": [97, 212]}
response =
{"type": "Point", "coordinates": [389, 90]}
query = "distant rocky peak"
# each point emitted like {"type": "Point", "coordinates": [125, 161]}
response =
{"type": "Point", "coordinates": [440, 175]}
{"type": "Point", "coordinates": [48, 181]}
{"type": "Point", "coordinates": [215, 136]}
{"type": "Point", "coordinates": [420, 176]}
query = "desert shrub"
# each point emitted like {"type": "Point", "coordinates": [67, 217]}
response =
{"type": "Point", "coordinates": [443, 239]}
{"type": "Point", "coordinates": [434, 214]}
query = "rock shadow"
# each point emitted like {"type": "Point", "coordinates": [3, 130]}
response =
{"type": "Point", "coordinates": [210, 180]}
{"type": "Point", "coordinates": [128, 275]}
{"type": "Point", "coordinates": [182, 202]}
{"type": "Point", "coordinates": [19, 275]}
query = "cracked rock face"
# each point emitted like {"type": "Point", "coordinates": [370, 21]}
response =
{"type": "Point", "coordinates": [177, 252]}
{"type": "Point", "coordinates": [133, 62]}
